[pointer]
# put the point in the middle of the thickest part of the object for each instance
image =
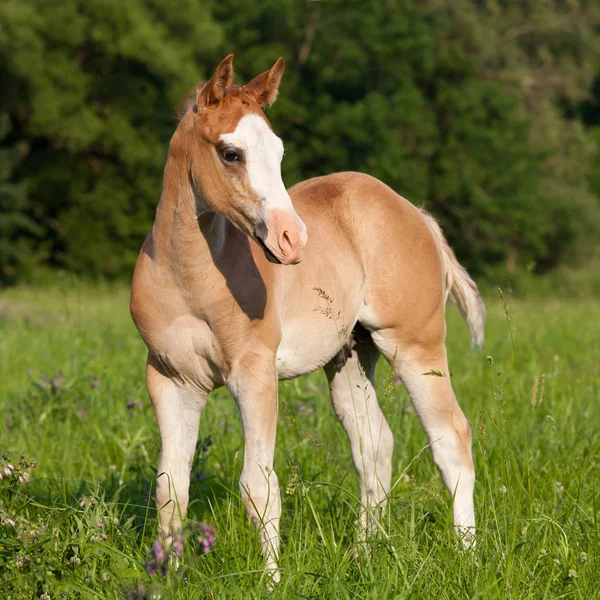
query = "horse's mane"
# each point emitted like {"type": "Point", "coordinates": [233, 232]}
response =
{"type": "Point", "coordinates": [188, 101]}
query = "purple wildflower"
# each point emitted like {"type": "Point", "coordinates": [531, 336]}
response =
{"type": "Point", "coordinates": [130, 403]}
{"type": "Point", "coordinates": [101, 524]}
{"type": "Point", "coordinates": [207, 538]}
{"type": "Point", "coordinates": [178, 545]}
{"type": "Point", "coordinates": [1, 478]}
{"type": "Point", "coordinates": [29, 372]}
{"type": "Point", "coordinates": [10, 522]}
{"type": "Point", "coordinates": [7, 471]}
{"type": "Point", "coordinates": [95, 383]}
{"type": "Point", "coordinates": [221, 423]}
{"type": "Point", "coordinates": [139, 593]}
{"type": "Point", "coordinates": [11, 467]}
{"type": "Point", "coordinates": [57, 382]}
{"type": "Point", "coordinates": [158, 551]}
{"type": "Point", "coordinates": [158, 561]}
{"type": "Point", "coordinates": [43, 384]}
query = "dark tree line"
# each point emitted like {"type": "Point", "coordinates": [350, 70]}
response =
{"type": "Point", "coordinates": [485, 111]}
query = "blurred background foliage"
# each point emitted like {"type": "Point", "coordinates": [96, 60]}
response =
{"type": "Point", "coordinates": [487, 112]}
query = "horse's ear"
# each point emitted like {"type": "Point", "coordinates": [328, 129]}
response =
{"type": "Point", "coordinates": [213, 91]}
{"type": "Point", "coordinates": [265, 86]}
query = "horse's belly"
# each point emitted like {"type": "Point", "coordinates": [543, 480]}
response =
{"type": "Point", "coordinates": [304, 349]}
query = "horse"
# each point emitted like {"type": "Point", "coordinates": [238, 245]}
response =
{"type": "Point", "coordinates": [218, 303]}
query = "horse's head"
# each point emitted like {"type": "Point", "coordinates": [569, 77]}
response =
{"type": "Point", "coordinates": [235, 160]}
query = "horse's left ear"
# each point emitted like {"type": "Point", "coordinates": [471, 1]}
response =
{"type": "Point", "coordinates": [213, 91]}
{"type": "Point", "coordinates": [265, 86]}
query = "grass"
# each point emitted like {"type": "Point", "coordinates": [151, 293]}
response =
{"type": "Point", "coordinates": [72, 397]}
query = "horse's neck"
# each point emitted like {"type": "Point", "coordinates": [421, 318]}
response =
{"type": "Point", "coordinates": [187, 243]}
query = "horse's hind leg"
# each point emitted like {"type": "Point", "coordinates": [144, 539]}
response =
{"type": "Point", "coordinates": [424, 370]}
{"type": "Point", "coordinates": [371, 440]}
{"type": "Point", "coordinates": [177, 410]}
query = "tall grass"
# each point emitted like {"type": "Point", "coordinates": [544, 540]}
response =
{"type": "Point", "coordinates": [72, 397]}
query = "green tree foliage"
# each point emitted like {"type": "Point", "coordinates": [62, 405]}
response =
{"type": "Point", "coordinates": [91, 89]}
{"type": "Point", "coordinates": [472, 108]}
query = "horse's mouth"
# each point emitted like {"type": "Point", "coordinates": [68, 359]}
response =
{"type": "Point", "coordinates": [268, 253]}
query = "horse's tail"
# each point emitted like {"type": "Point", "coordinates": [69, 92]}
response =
{"type": "Point", "coordinates": [459, 286]}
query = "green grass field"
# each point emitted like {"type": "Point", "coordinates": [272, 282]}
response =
{"type": "Point", "coordinates": [72, 397]}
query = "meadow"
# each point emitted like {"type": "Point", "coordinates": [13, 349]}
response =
{"type": "Point", "coordinates": [81, 523]}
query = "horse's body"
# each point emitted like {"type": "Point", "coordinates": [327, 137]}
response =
{"type": "Point", "coordinates": [216, 307]}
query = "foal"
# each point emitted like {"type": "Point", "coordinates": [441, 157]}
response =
{"type": "Point", "coordinates": [216, 305]}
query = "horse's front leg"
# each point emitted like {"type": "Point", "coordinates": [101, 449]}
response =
{"type": "Point", "coordinates": [177, 408]}
{"type": "Point", "coordinates": [253, 383]}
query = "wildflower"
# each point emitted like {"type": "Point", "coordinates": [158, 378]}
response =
{"type": "Point", "coordinates": [19, 562]}
{"type": "Point", "coordinates": [1, 478]}
{"type": "Point", "coordinates": [57, 382]}
{"type": "Point", "coordinates": [9, 522]}
{"type": "Point", "coordinates": [11, 467]}
{"type": "Point", "coordinates": [572, 573]}
{"type": "Point", "coordinates": [130, 403]}
{"type": "Point", "coordinates": [100, 523]}
{"type": "Point", "coordinates": [95, 383]}
{"type": "Point", "coordinates": [221, 423]}
{"type": "Point", "coordinates": [7, 471]}
{"type": "Point", "coordinates": [158, 561]}
{"type": "Point", "coordinates": [106, 576]}
{"type": "Point", "coordinates": [185, 580]}
{"type": "Point", "coordinates": [207, 538]}
{"type": "Point", "coordinates": [199, 476]}
{"type": "Point", "coordinates": [560, 488]}
{"type": "Point", "coordinates": [44, 385]}
{"type": "Point", "coordinates": [44, 597]}
{"type": "Point", "coordinates": [29, 372]}
{"type": "Point", "coordinates": [178, 545]}
{"type": "Point", "coordinates": [531, 576]}
{"type": "Point", "coordinates": [503, 490]}
{"type": "Point", "coordinates": [139, 593]}
{"type": "Point", "coordinates": [583, 557]}
{"type": "Point", "coordinates": [75, 560]}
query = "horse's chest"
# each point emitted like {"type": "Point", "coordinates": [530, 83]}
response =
{"type": "Point", "coordinates": [189, 348]}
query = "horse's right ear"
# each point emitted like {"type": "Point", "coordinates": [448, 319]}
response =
{"type": "Point", "coordinates": [213, 91]}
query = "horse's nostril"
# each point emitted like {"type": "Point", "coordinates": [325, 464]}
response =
{"type": "Point", "coordinates": [287, 241]}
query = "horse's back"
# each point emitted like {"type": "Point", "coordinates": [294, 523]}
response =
{"type": "Point", "coordinates": [398, 255]}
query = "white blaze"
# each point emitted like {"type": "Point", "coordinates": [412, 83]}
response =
{"type": "Point", "coordinates": [264, 153]}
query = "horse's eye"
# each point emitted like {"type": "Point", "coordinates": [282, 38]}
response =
{"type": "Point", "coordinates": [232, 156]}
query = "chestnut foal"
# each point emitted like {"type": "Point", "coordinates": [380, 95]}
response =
{"type": "Point", "coordinates": [216, 305]}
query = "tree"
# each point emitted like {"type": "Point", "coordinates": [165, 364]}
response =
{"type": "Point", "coordinates": [91, 89]}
